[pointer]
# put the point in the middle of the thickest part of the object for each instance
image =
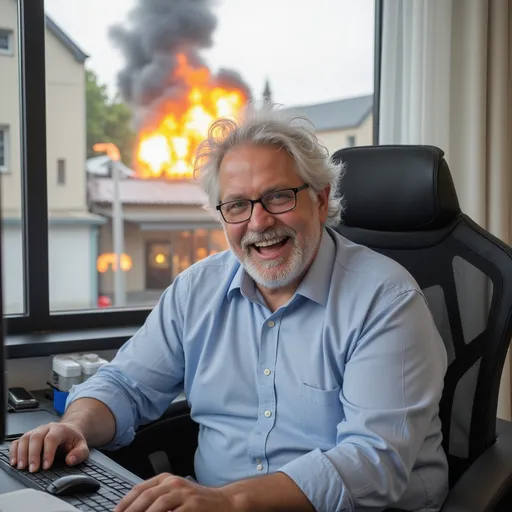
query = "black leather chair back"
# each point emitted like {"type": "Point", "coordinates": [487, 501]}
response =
{"type": "Point", "coordinates": [401, 201]}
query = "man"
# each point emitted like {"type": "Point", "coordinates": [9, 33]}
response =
{"type": "Point", "coordinates": [311, 364]}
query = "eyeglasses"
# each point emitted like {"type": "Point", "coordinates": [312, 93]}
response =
{"type": "Point", "coordinates": [278, 201]}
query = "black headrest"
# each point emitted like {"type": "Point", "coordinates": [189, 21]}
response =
{"type": "Point", "coordinates": [397, 188]}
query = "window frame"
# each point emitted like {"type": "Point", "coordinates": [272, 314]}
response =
{"type": "Point", "coordinates": [377, 67]}
{"type": "Point", "coordinates": [10, 41]}
{"type": "Point", "coordinates": [38, 318]}
{"type": "Point", "coordinates": [4, 129]}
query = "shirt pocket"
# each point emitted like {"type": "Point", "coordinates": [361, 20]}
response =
{"type": "Point", "coordinates": [321, 412]}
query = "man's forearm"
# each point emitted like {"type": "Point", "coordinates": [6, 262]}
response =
{"type": "Point", "coordinates": [276, 492]}
{"type": "Point", "coordinates": [93, 418]}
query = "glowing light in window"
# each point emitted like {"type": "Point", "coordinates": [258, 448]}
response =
{"type": "Point", "coordinates": [160, 258]}
{"type": "Point", "coordinates": [108, 259]}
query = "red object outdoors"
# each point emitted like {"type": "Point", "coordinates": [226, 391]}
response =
{"type": "Point", "coordinates": [104, 301]}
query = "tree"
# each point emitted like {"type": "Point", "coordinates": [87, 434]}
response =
{"type": "Point", "coordinates": [107, 120]}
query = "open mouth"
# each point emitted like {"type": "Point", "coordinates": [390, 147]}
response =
{"type": "Point", "coordinates": [268, 247]}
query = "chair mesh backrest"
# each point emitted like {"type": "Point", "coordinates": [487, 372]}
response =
{"type": "Point", "coordinates": [466, 276]}
{"type": "Point", "coordinates": [401, 201]}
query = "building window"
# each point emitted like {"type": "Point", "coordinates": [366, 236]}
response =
{"type": "Point", "coordinates": [61, 171]}
{"type": "Point", "coordinates": [158, 267]}
{"type": "Point", "coordinates": [351, 141]}
{"type": "Point", "coordinates": [3, 148]}
{"type": "Point", "coordinates": [6, 41]}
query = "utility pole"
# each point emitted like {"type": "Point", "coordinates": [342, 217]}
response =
{"type": "Point", "coordinates": [117, 222]}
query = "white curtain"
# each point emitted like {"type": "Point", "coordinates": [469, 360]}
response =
{"type": "Point", "coordinates": [446, 80]}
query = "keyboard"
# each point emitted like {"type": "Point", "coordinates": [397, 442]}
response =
{"type": "Point", "coordinates": [113, 486]}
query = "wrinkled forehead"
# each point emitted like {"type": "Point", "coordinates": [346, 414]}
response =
{"type": "Point", "coordinates": [254, 169]}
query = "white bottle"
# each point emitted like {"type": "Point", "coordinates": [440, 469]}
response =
{"type": "Point", "coordinates": [90, 364]}
{"type": "Point", "coordinates": [66, 372]}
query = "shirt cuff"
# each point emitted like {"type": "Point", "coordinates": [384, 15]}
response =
{"type": "Point", "coordinates": [318, 479]}
{"type": "Point", "coordinates": [119, 406]}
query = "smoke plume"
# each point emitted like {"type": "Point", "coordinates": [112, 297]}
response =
{"type": "Point", "coordinates": [157, 31]}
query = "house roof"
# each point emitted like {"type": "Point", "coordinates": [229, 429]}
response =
{"type": "Point", "coordinates": [337, 115]}
{"type": "Point", "coordinates": [79, 55]}
{"type": "Point", "coordinates": [143, 192]}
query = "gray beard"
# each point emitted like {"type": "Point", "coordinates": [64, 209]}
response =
{"type": "Point", "coordinates": [298, 262]}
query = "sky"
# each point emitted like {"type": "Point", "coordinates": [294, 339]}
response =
{"type": "Point", "coordinates": [311, 51]}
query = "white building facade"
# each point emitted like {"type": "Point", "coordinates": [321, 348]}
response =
{"type": "Point", "coordinates": [73, 231]}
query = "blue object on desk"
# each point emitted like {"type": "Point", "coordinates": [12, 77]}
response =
{"type": "Point", "coordinates": [59, 400]}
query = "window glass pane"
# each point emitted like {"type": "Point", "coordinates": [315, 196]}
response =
{"type": "Point", "coordinates": [152, 77]}
{"type": "Point", "coordinates": [3, 148]}
{"type": "Point", "coordinates": [10, 161]}
{"type": "Point", "coordinates": [182, 254]}
{"type": "Point", "coordinates": [61, 171]}
{"type": "Point", "coordinates": [201, 244]}
{"type": "Point", "coordinates": [6, 38]}
{"type": "Point", "coordinates": [158, 265]}
{"type": "Point", "coordinates": [218, 242]}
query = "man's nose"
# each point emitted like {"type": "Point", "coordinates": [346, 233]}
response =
{"type": "Point", "coordinates": [260, 219]}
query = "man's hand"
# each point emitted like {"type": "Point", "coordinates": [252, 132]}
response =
{"type": "Point", "coordinates": [42, 443]}
{"type": "Point", "coordinates": [167, 492]}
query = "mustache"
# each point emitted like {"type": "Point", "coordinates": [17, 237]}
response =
{"type": "Point", "coordinates": [254, 238]}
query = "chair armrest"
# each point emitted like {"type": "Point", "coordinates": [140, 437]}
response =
{"type": "Point", "coordinates": [174, 435]}
{"type": "Point", "coordinates": [484, 485]}
{"type": "Point", "coordinates": [177, 409]}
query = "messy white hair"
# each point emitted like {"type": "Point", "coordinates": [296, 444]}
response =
{"type": "Point", "coordinates": [268, 124]}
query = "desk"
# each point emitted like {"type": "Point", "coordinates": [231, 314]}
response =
{"type": "Point", "coordinates": [24, 421]}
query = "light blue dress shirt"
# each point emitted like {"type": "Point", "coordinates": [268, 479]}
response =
{"type": "Point", "coordinates": [339, 388]}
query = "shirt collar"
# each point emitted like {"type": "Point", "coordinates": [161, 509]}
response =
{"type": "Point", "coordinates": [315, 284]}
{"type": "Point", "coordinates": [242, 281]}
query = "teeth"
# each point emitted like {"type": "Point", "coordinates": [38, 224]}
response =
{"type": "Point", "coordinates": [266, 243]}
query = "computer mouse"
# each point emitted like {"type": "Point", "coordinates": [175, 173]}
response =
{"type": "Point", "coordinates": [73, 484]}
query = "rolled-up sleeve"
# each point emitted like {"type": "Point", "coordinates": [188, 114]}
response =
{"type": "Point", "coordinates": [390, 394]}
{"type": "Point", "coordinates": [147, 372]}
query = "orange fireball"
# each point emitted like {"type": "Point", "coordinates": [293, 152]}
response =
{"type": "Point", "coordinates": [168, 151]}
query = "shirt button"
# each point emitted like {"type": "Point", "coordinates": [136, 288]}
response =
{"type": "Point", "coordinates": [267, 414]}
{"type": "Point", "coordinates": [259, 467]}
{"type": "Point", "coordinates": [267, 372]}
{"type": "Point", "coordinates": [271, 323]}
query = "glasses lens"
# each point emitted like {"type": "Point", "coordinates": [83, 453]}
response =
{"type": "Point", "coordinates": [279, 201]}
{"type": "Point", "coordinates": [236, 211]}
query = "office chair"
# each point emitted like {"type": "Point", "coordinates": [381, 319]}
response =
{"type": "Point", "coordinates": [401, 201]}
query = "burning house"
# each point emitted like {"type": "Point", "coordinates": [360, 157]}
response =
{"type": "Point", "coordinates": [174, 97]}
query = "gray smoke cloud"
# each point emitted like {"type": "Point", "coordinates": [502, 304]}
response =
{"type": "Point", "coordinates": [157, 31]}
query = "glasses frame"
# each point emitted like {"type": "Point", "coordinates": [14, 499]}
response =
{"type": "Point", "coordinates": [295, 190]}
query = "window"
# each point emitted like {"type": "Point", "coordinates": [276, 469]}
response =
{"type": "Point", "coordinates": [4, 148]}
{"type": "Point", "coordinates": [12, 201]}
{"type": "Point", "coordinates": [61, 171]}
{"type": "Point", "coordinates": [351, 141]}
{"type": "Point", "coordinates": [120, 231]}
{"type": "Point", "coordinates": [6, 41]}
